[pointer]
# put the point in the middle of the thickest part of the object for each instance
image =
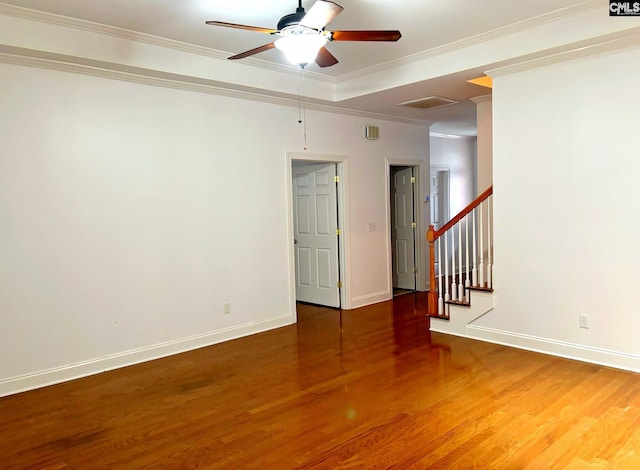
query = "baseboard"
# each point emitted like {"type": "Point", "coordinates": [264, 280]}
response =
{"type": "Point", "coordinates": [577, 352]}
{"type": "Point", "coordinates": [95, 366]}
{"type": "Point", "coordinates": [364, 300]}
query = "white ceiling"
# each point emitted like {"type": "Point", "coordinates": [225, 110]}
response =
{"type": "Point", "coordinates": [425, 25]}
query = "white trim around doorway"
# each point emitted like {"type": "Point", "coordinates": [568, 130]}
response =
{"type": "Point", "coordinates": [343, 222]}
{"type": "Point", "coordinates": [423, 217]}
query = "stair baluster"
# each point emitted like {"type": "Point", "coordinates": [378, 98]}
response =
{"type": "Point", "coordinates": [489, 246]}
{"type": "Point", "coordinates": [440, 300]}
{"type": "Point", "coordinates": [454, 286]}
{"type": "Point", "coordinates": [467, 282]}
{"type": "Point", "coordinates": [446, 270]}
{"type": "Point", "coordinates": [474, 272]}
{"type": "Point", "coordinates": [460, 284]}
{"type": "Point", "coordinates": [481, 249]}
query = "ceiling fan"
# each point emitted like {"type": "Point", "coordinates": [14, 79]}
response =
{"type": "Point", "coordinates": [303, 37]}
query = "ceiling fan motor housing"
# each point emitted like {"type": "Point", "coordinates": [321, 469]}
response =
{"type": "Point", "coordinates": [292, 19]}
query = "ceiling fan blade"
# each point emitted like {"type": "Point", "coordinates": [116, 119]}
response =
{"type": "Point", "coordinates": [391, 35]}
{"type": "Point", "coordinates": [242, 55]}
{"type": "Point", "coordinates": [325, 58]}
{"type": "Point", "coordinates": [242, 26]}
{"type": "Point", "coordinates": [320, 14]}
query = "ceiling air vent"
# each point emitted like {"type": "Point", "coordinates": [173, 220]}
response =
{"type": "Point", "coordinates": [429, 102]}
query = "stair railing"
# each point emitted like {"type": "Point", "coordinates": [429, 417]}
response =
{"type": "Point", "coordinates": [455, 243]}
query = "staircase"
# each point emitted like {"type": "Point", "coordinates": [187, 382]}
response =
{"type": "Point", "coordinates": [461, 267]}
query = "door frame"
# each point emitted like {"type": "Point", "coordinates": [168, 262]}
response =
{"type": "Point", "coordinates": [343, 223]}
{"type": "Point", "coordinates": [422, 217]}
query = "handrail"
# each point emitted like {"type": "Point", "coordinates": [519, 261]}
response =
{"type": "Point", "coordinates": [433, 235]}
{"type": "Point", "coordinates": [472, 205]}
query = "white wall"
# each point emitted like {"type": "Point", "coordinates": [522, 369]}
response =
{"type": "Point", "coordinates": [484, 177]}
{"type": "Point", "coordinates": [459, 156]}
{"type": "Point", "coordinates": [566, 192]}
{"type": "Point", "coordinates": [130, 213]}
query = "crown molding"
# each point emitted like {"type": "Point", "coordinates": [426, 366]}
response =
{"type": "Point", "coordinates": [59, 20]}
{"type": "Point", "coordinates": [451, 136]}
{"type": "Point", "coordinates": [612, 42]}
{"type": "Point", "coordinates": [474, 40]}
{"type": "Point", "coordinates": [121, 33]}
{"type": "Point", "coordinates": [61, 63]}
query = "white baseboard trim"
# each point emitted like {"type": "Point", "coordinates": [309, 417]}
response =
{"type": "Point", "coordinates": [56, 375]}
{"type": "Point", "coordinates": [364, 300]}
{"type": "Point", "coordinates": [603, 357]}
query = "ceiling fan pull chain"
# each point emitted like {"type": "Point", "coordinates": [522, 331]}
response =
{"type": "Point", "coordinates": [302, 109]}
{"type": "Point", "coordinates": [304, 112]}
{"type": "Point", "coordinates": [299, 97]}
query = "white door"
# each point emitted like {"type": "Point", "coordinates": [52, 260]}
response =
{"type": "Point", "coordinates": [315, 221]}
{"type": "Point", "coordinates": [403, 228]}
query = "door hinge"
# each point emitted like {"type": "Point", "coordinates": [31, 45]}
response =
{"type": "Point", "coordinates": [413, 180]}
{"type": "Point", "coordinates": [339, 284]}
{"type": "Point", "coordinates": [338, 232]}
{"type": "Point", "coordinates": [415, 270]}
{"type": "Point", "coordinates": [336, 179]}
{"type": "Point", "coordinates": [414, 225]}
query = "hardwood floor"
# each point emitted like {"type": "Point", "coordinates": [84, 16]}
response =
{"type": "Point", "coordinates": [368, 388]}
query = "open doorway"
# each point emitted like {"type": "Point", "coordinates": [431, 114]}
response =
{"type": "Point", "coordinates": [403, 192]}
{"type": "Point", "coordinates": [439, 196]}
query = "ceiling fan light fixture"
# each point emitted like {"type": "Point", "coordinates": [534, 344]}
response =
{"type": "Point", "coordinates": [302, 48]}
{"type": "Point", "coordinates": [303, 34]}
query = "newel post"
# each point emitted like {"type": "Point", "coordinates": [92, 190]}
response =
{"type": "Point", "coordinates": [432, 295]}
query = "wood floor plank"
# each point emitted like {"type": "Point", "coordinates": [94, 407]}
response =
{"type": "Point", "coordinates": [629, 454]}
{"type": "Point", "coordinates": [367, 388]}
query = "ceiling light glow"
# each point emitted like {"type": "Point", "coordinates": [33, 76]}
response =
{"type": "Point", "coordinates": [301, 49]}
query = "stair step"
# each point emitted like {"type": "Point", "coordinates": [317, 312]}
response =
{"type": "Point", "coordinates": [460, 303]}
{"type": "Point", "coordinates": [480, 289]}
{"type": "Point", "coordinates": [442, 317]}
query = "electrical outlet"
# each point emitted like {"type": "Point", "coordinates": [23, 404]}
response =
{"type": "Point", "coordinates": [226, 308]}
{"type": "Point", "coordinates": [584, 321]}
